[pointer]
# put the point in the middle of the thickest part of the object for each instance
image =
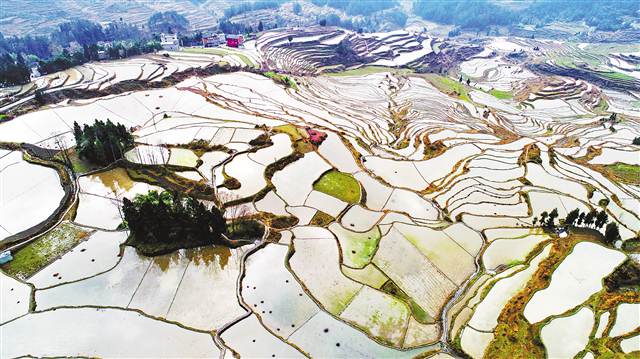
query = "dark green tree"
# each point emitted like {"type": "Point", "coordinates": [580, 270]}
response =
{"type": "Point", "coordinates": [601, 218]}
{"type": "Point", "coordinates": [165, 219]}
{"type": "Point", "coordinates": [589, 218]}
{"type": "Point", "coordinates": [571, 217]}
{"type": "Point", "coordinates": [103, 142]}
{"type": "Point", "coordinates": [543, 218]}
{"type": "Point", "coordinates": [552, 217]}
{"type": "Point", "coordinates": [611, 233]}
{"type": "Point", "coordinates": [168, 22]}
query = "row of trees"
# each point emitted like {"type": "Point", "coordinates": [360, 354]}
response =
{"type": "Point", "coordinates": [103, 142]}
{"type": "Point", "coordinates": [592, 219]}
{"type": "Point", "coordinates": [165, 218]}
{"type": "Point", "coordinates": [483, 14]}
{"type": "Point", "coordinates": [357, 7]}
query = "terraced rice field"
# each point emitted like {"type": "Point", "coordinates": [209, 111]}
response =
{"type": "Point", "coordinates": [411, 229]}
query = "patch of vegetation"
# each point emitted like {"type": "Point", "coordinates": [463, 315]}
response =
{"type": "Point", "coordinates": [262, 140]}
{"type": "Point", "coordinates": [420, 315]}
{"type": "Point", "coordinates": [167, 22]}
{"type": "Point", "coordinates": [449, 86]}
{"type": "Point", "coordinates": [631, 245]}
{"type": "Point", "coordinates": [103, 142]}
{"type": "Point", "coordinates": [502, 95]}
{"type": "Point", "coordinates": [626, 276]}
{"type": "Point", "coordinates": [162, 222]}
{"type": "Point", "coordinates": [357, 7]}
{"type": "Point", "coordinates": [245, 229]}
{"type": "Point", "coordinates": [624, 173]}
{"type": "Point", "coordinates": [282, 222]}
{"type": "Point", "coordinates": [280, 164]}
{"type": "Point", "coordinates": [164, 177]}
{"type": "Point", "coordinates": [13, 71]}
{"type": "Point", "coordinates": [339, 185]}
{"type": "Point", "coordinates": [200, 147]}
{"type": "Point", "coordinates": [602, 106]}
{"type": "Point", "coordinates": [38, 254]}
{"type": "Point", "coordinates": [281, 79]}
{"type": "Point", "coordinates": [321, 219]}
{"type": "Point", "coordinates": [299, 138]}
{"type": "Point", "coordinates": [290, 130]}
{"type": "Point", "coordinates": [486, 14]}
{"type": "Point", "coordinates": [531, 154]}
{"type": "Point", "coordinates": [230, 183]}
{"type": "Point", "coordinates": [617, 76]}
{"type": "Point", "coordinates": [432, 149]}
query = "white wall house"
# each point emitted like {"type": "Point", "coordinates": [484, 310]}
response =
{"type": "Point", "coordinates": [169, 42]}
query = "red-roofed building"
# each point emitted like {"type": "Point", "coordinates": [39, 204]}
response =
{"type": "Point", "coordinates": [316, 137]}
{"type": "Point", "coordinates": [234, 40]}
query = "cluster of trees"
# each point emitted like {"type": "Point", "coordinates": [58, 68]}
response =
{"type": "Point", "coordinates": [73, 43]}
{"type": "Point", "coordinates": [636, 141]}
{"type": "Point", "coordinates": [167, 22]}
{"type": "Point", "coordinates": [357, 7]}
{"type": "Point", "coordinates": [169, 219]}
{"type": "Point", "coordinates": [476, 14]}
{"type": "Point", "coordinates": [251, 6]}
{"type": "Point", "coordinates": [103, 142]}
{"type": "Point", "coordinates": [576, 218]}
{"type": "Point", "coordinates": [607, 15]}
{"type": "Point", "coordinates": [367, 23]}
{"type": "Point", "coordinates": [482, 14]}
{"type": "Point", "coordinates": [116, 50]}
{"type": "Point", "coordinates": [13, 70]}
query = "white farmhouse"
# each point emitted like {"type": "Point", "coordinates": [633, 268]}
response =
{"type": "Point", "coordinates": [169, 42]}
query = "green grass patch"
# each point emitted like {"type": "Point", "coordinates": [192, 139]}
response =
{"type": "Point", "coordinates": [625, 173]}
{"type": "Point", "coordinates": [321, 219]}
{"type": "Point", "coordinates": [602, 106]}
{"type": "Point", "coordinates": [631, 245]}
{"type": "Point", "coordinates": [290, 130]}
{"type": "Point", "coordinates": [358, 248]}
{"type": "Point", "coordinates": [44, 250]}
{"type": "Point", "coordinates": [617, 76]}
{"type": "Point", "coordinates": [281, 79]}
{"type": "Point", "coordinates": [502, 95]}
{"type": "Point", "coordinates": [339, 185]}
{"type": "Point", "coordinates": [419, 314]}
{"type": "Point", "coordinates": [449, 86]}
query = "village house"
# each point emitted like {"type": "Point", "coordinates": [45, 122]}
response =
{"type": "Point", "coordinates": [213, 40]}
{"type": "Point", "coordinates": [169, 42]}
{"type": "Point", "coordinates": [234, 40]}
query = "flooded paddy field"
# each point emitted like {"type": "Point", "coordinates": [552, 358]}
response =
{"type": "Point", "coordinates": [406, 214]}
